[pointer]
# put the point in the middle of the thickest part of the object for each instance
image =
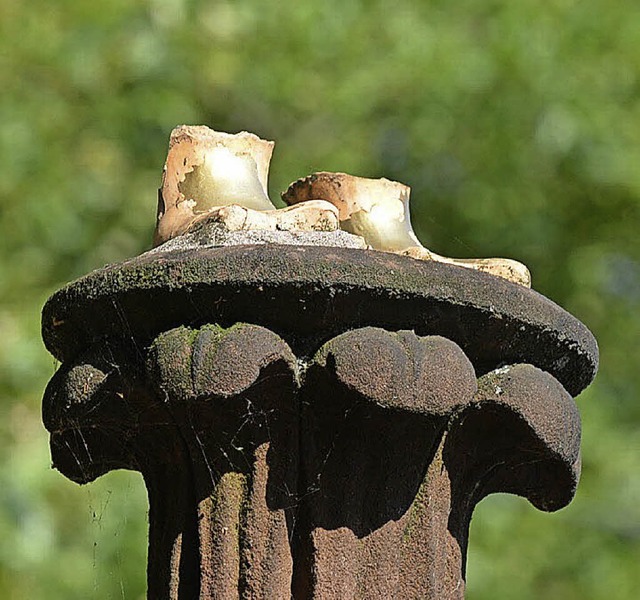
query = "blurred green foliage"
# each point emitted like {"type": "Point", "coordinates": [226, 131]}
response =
{"type": "Point", "coordinates": [517, 124]}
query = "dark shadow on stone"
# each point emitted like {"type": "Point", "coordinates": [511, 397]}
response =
{"type": "Point", "coordinates": [362, 464]}
{"type": "Point", "coordinates": [91, 408]}
{"type": "Point", "coordinates": [490, 449]}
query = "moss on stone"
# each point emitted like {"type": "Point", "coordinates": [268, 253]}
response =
{"type": "Point", "coordinates": [299, 287]}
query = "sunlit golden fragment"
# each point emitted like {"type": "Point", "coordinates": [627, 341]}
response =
{"type": "Point", "coordinates": [221, 177]}
{"type": "Point", "coordinates": [378, 210]}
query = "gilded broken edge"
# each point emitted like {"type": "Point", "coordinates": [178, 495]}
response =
{"type": "Point", "coordinates": [217, 177]}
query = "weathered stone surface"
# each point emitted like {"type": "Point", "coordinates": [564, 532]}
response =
{"type": "Point", "coordinates": [210, 234]}
{"type": "Point", "coordinates": [190, 364]}
{"type": "Point", "coordinates": [214, 432]}
{"type": "Point", "coordinates": [230, 393]}
{"type": "Point", "coordinates": [89, 411]}
{"type": "Point", "coordinates": [309, 293]}
{"type": "Point", "coordinates": [429, 375]}
{"type": "Point", "coordinates": [546, 468]}
{"type": "Point", "coordinates": [373, 421]}
{"type": "Point", "coordinates": [308, 421]}
{"type": "Point", "coordinates": [312, 419]}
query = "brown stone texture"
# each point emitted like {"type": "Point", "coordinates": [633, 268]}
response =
{"type": "Point", "coordinates": [298, 440]}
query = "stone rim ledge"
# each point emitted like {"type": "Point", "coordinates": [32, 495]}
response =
{"type": "Point", "coordinates": [270, 285]}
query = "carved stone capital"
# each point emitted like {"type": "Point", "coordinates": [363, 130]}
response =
{"type": "Point", "coordinates": [314, 422]}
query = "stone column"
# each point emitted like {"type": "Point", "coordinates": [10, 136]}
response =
{"type": "Point", "coordinates": [313, 422]}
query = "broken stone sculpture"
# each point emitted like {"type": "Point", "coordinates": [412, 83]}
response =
{"type": "Point", "coordinates": [221, 178]}
{"type": "Point", "coordinates": [378, 210]}
{"type": "Point", "coordinates": [312, 420]}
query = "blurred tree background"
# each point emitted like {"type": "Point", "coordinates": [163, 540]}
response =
{"type": "Point", "coordinates": [517, 124]}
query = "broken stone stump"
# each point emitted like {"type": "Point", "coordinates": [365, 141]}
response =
{"type": "Point", "coordinates": [313, 422]}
